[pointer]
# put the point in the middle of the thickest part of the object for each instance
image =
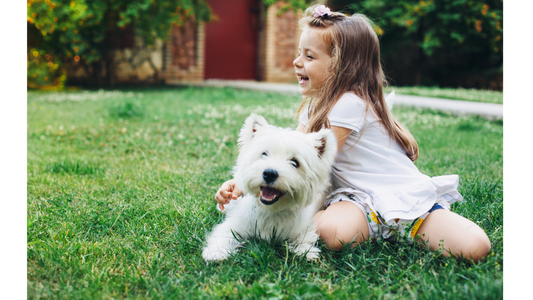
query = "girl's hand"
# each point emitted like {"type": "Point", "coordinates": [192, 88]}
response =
{"type": "Point", "coordinates": [227, 191]}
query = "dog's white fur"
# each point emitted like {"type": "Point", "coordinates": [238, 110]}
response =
{"type": "Point", "coordinates": [266, 147]}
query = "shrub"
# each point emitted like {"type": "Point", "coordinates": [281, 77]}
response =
{"type": "Point", "coordinates": [445, 43]}
{"type": "Point", "coordinates": [44, 70]}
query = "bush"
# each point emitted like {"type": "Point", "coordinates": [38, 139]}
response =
{"type": "Point", "coordinates": [44, 70]}
{"type": "Point", "coordinates": [86, 33]}
{"type": "Point", "coordinates": [445, 43]}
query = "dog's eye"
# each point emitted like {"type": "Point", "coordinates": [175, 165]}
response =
{"type": "Point", "coordinates": [264, 154]}
{"type": "Point", "coordinates": [295, 163]}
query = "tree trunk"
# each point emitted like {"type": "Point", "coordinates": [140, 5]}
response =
{"type": "Point", "coordinates": [421, 55]}
{"type": "Point", "coordinates": [97, 68]}
{"type": "Point", "coordinates": [111, 44]}
{"type": "Point", "coordinates": [111, 68]}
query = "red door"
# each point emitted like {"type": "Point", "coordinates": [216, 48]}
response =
{"type": "Point", "coordinates": [231, 41]}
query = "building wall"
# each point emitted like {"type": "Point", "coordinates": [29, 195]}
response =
{"type": "Point", "coordinates": [181, 58]}
{"type": "Point", "coordinates": [278, 44]}
{"type": "Point", "coordinates": [184, 53]}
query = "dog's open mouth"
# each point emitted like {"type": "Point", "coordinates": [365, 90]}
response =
{"type": "Point", "coordinates": [270, 195]}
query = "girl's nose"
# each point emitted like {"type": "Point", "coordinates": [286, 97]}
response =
{"type": "Point", "coordinates": [297, 63]}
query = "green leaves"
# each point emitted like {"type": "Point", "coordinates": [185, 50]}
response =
{"type": "Point", "coordinates": [445, 43]}
{"type": "Point", "coordinates": [83, 33]}
{"type": "Point", "coordinates": [295, 5]}
{"type": "Point", "coordinates": [44, 69]}
{"type": "Point", "coordinates": [434, 23]}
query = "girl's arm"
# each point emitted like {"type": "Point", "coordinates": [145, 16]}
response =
{"type": "Point", "coordinates": [341, 134]}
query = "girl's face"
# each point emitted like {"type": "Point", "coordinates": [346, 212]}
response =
{"type": "Point", "coordinates": [311, 64]}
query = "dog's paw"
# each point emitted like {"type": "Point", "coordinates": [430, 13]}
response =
{"type": "Point", "coordinates": [313, 253]}
{"type": "Point", "coordinates": [214, 254]}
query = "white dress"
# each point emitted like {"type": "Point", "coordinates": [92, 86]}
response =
{"type": "Point", "coordinates": [375, 169]}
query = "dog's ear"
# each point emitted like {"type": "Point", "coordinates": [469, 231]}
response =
{"type": "Point", "coordinates": [325, 143]}
{"type": "Point", "coordinates": [252, 124]}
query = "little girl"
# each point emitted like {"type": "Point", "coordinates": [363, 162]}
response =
{"type": "Point", "coordinates": [376, 191]}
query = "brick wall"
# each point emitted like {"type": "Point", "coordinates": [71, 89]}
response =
{"type": "Point", "coordinates": [278, 44]}
{"type": "Point", "coordinates": [184, 53]}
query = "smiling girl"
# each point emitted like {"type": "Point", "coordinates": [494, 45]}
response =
{"type": "Point", "coordinates": [377, 191]}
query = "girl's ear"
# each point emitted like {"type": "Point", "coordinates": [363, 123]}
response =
{"type": "Point", "coordinates": [252, 124]}
{"type": "Point", "coordinates": [325, 144]}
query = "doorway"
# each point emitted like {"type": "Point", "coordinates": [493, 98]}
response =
{"type": "Point", "coordinates": [231, 40]}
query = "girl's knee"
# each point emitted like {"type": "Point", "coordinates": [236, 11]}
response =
{"type": "Point", "coordinates": [335, 234]}
{"type": "Point", "coordinates": [474, 244]}
{"type": "Point", "coordinates": [340, 224]}
{"type": "Point", "coordinates": [331, 235]}
{"type": "Point", "coordinates": [478, 246]}
{"type": "Point", "coordinates": [461, 236]}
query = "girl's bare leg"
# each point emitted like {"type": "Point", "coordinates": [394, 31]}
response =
{"type": "Point", "coordinates": [342, 221]}
{"type": "Point", "coordinates": [460, 236]}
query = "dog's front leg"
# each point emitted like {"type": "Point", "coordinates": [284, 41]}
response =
{"type": "Point", "coordinates": [311, 252]}
{"type": "Point", "coordinates": [221, 243]}
{"type": "Point", "coordinates": [306, 245]}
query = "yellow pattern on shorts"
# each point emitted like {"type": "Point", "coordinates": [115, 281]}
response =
{"type": "Point", "coordinates": [416, 226]}
{"type": "Point", "coordinates": [374, 217]}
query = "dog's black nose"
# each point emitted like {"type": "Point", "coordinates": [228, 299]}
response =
{"type": "Point", "coordinates": [270, 175]}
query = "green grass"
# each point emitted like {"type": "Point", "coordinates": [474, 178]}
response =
{"type": "Point", "coordinates": [450, 93]}
{"type": "Point", "coordinates": [121, 196]}
{"type": "Point", "coordinates": [75, 167]}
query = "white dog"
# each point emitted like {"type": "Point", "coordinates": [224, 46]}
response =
{"type": "Point", "coordinates": [280, 172]}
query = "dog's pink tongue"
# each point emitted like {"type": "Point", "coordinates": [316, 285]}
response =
{"type": "Point", "coordinates": [269, 193]}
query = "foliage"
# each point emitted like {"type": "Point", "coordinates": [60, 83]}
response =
{"type": "Point", "coordinates": [437, 38]}
{"type": "Point", "coordinates": [120, 208]}
{"type": "Point", "coordinates": [433, 24]}
{"type": "Point", "coordinates": [295, 5]}
{"type": "Point", "coordinates": [87, 32]}
{"type": "Point", "coordinates": [44, 70]}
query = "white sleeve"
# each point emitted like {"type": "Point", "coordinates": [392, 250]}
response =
{"type": "Point", "coordinates": [304, 118]}
{"type": "Point", "coordinates": [348, 112]}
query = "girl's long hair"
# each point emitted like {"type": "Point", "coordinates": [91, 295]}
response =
{"type": "Point", "coordinates": [354, 66]}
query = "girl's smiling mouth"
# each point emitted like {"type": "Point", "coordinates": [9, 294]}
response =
{"type": "Point", "coordinates": [302, 79]}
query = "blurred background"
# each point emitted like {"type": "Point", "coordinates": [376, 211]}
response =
{"type": "Point", "coordinates": [113, 43]}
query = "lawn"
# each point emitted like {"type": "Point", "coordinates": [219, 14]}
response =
{"type": "Point", "coordinates": [121, 191]}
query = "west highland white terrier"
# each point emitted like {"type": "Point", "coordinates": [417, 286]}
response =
{"type": "Point", "coordinates": [280, 172]}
